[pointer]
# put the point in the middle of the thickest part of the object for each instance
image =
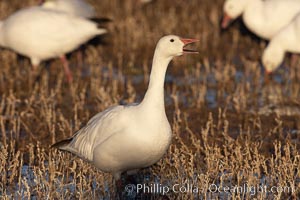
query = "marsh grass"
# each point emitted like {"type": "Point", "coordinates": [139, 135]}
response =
{"type": "Point", "coordinates": [231, 127]}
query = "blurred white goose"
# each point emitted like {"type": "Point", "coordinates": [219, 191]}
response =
{"type": "Point", "coordinates": [42, 34]}
{"type": "Point", "coordinates": [145, 1]}
{"type": "Point", "coordinates": [263, 17]}
{"type": "Point", "coordinates": [75, 7]}
{"type": "Point", "coordinates": [286, 40]}
{"type": "Point", "coordinates": [127, 138]}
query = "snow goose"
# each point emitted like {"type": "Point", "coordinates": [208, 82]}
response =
{"type": "Point", "coordinates": [127, 138]}
{"type": "Point", "coordinates": [263, 18]}
{"type": "Point", "coordinates": [286, 40]}
{"type": "Point", "coordinates": [42, 34]}
{"type": "Point", "coordinates": [145, 1]}
{"type": "Point", "coordinates": [74, 7]}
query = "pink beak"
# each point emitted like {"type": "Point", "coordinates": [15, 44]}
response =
{"type": "Point", "coordinates": [226, 20]}
{"type": "Point", "coordinates": [186, 42]}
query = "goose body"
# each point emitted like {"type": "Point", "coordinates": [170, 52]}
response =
{"type": "Point", "coordinates": [122, 139]}
{"type": "Point", "coordinates": [74, 7]}
{"type": "Point", "coordinates": [145, 1]}
{"type": "Point", "coordinates": [263, 17]}
{"type": "Point", "coordinates": [127, 138]}
{"type": "Point", "coordinates": [286, 40]}
{"type": "Point", "coordinates": [42, 34]}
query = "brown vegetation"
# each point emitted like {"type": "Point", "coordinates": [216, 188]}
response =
{"type": "Point", "coordinates": [231, 127]}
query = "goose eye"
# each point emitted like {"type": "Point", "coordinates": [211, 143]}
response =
{"type": "Point", "coordinates": [172, 40]}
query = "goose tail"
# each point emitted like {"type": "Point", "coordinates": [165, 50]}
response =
{"type": "Point", "coordinates": [62, 144]}
{"type": "Point", "coordinates": [101, 20]}
{"type": "Point", "coordinates": [101, 24]}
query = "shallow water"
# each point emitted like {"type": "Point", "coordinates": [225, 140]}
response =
{"type": "Point", "coordinates": [225, 180]}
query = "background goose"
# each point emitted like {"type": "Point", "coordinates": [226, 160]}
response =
{"type": "Point", "coordinates": [75, 7]}
{"type": "Point", "coordinates": [286, 40]}
{"type": "Point", "coordinates": [41, 34]}
{"type": "Point", "coordinates": [145, 1]}
{"type": "Point", "coordinates": [127, 138]}
{"type": "Point", "coordinates": [263, 18]}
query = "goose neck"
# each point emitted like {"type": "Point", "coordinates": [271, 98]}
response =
{"type": "Point", "coordinates": [252, 5]}
{"type": "Point", "coordinates": [154, 97]}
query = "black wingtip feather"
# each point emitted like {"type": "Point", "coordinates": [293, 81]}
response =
{"type": "Point", "coordinates": [101, 20]}
{"type": "Point", "coordinates": [62, 143]}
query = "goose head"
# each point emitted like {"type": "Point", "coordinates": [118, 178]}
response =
{"type": "Point", "coordinates": [272, 58]}
{"type": "Point", "coordinates": [232, 9]}
{"type": "Point", "coordinates": [171, 45]}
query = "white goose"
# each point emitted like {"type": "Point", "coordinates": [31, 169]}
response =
{"type": "Point", "coordinates": [42, 34]}
{"type": "Point", "coordinates": [74, 7]}
{"type": "Point", "coordinates": [145, 1]}
{"type": "Point", "coordinates": [127, 138]}
{"type": "Point", "coordinates": [263, 17]}
{"type": "Point", "coordinates": [286, 40]}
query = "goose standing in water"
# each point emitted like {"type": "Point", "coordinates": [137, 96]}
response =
{"type": "Point", "coordinates": [127, 138]}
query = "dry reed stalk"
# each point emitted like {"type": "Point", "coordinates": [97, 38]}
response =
{"type": "Point", "coordinates": [213, 101]}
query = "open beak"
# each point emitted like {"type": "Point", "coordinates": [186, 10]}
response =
{"type": "Point", "coordinates": [186, 42]}
{"type": "Point", "coordinates": [226, 21]}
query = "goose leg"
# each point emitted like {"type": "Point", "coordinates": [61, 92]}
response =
{"type": "Point", "coordinates": [35, 69]}
{"type": "Point", "coordinates": [40, 2]}
{"type": "Point", "coordinates": [119, 192]}
{"type": "Point", "coordinates": [68, 72]}
{"type": "Point", "coordinates": [294, 59]}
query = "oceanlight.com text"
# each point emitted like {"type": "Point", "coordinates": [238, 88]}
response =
{"type": "Point", "coordinates": [157, 188]}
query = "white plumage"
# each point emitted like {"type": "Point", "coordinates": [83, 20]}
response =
{"type": "Point", "coordinates": [286, 40]}
{"type": "Point", "coordinates": [41, 34]}
{"type": "Point", "coordinates": [263, 17]}
{"type": "Point", "coordinates": [145, 1]}
{"type": "Point", "coordinates": [75, 7]}
{"type": "Point", "coordinates": [127, 138]}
